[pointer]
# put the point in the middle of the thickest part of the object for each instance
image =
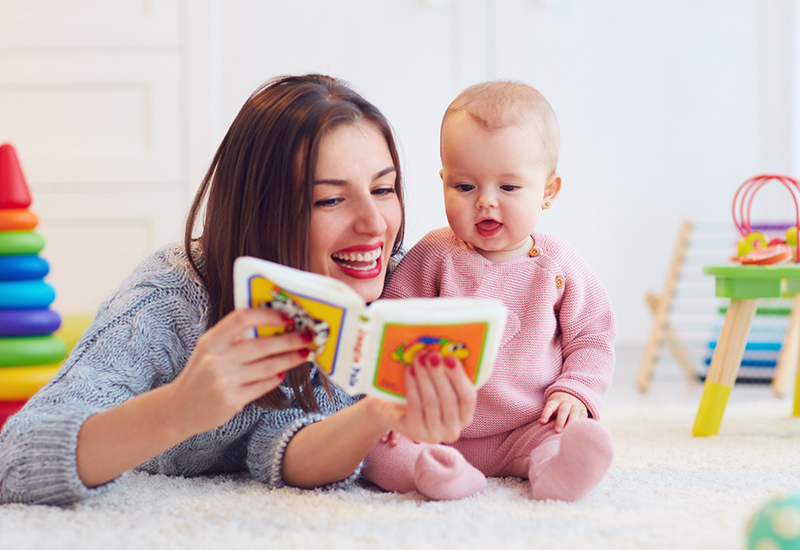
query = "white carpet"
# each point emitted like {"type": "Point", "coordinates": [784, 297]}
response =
{"type": "Point", "coordinates": [666, 490]}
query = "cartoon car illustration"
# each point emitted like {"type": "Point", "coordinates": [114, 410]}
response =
{"type": "Point", "coordinates": [406, 352]}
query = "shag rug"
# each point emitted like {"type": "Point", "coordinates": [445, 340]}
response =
{"type": "Point", "coordinates": [666, 490]}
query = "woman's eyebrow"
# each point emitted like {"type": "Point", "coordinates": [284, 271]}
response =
{"type": "Point", "coordinates": [377, 176]}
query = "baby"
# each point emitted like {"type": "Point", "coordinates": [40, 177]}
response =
{"type": "Point", "coordinates": [536, 417]}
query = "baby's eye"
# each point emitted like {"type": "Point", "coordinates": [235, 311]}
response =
{"type": "Point", "coordinates": [509, 187]}
{"type": "Point", "coordinates": [465, 187]}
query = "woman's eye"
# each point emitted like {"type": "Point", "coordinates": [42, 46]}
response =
{"type": "Point", "coordinates": [465, 187]}
{"type": "Point", "coordinates": [328, 202]}
{"type": "Point", "coordinates": [381, 191]}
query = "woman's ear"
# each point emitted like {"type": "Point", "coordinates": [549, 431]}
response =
{"type": "Point", "coordinates": [551, 190]}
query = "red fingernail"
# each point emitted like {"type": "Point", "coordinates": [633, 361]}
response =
{"type": "Point", "coordinates": [281, 375]}
{"type": "Point", "coordinates": [450, 361]}
{"type": "Point", "coordinates": [433, 360]}
{"type": "Point", "coordinates": [304, 353]}
{"type": "Point", "coordinates": [306, 337]}
{"type": "Point", "coordinates": [411, 371]}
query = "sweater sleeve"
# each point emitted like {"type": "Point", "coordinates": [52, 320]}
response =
{"type": "Point", "coordinates": [588, 329]}
{"type": "Point", "coordinates": [272, 433]}
{"type": "Point", "coordinates": [419, 272]}
{"type": "Point", "coordinates": [115, 360]}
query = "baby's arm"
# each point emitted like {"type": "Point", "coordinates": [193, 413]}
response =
{"type": "Point", "coordinates": [588, 329]}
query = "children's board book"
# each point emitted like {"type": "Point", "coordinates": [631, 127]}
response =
{"type": "Point", "coordinates": [363, 348]}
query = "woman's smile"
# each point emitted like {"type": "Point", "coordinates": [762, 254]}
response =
{"type": "Point", "coordinates": [360, 261]}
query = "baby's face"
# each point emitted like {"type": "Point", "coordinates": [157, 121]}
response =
{"type": "Point", "coordinates": [495, 186]}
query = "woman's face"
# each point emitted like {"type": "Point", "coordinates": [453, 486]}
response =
{"type": "Point", "coordinates": [355, 213]}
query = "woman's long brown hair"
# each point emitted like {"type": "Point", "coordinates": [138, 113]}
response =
{"type": "Point", "coordinates": [259, 189]}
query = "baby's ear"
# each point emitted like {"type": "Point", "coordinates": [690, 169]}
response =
{"type": "Point", "coordinates": [441, 173]}
{"type": "Point", "coordinates": [552, 188]}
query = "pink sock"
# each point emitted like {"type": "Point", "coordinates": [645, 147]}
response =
{"type": "Point", "coordinates": [442, 473]}
{"type": "Point", "coordinates": [584, 456]}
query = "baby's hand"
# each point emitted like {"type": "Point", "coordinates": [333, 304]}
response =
{"type": "Point", "coordinates": [567, 407]}
{"type": "Point", "coordinates": [392, 438]}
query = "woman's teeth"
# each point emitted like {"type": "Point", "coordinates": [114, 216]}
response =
{"type": "Point", "coordinates": [348, 259]}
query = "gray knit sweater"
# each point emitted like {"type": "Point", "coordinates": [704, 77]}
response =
{"type": "Point", "coordinates": [140, 339]}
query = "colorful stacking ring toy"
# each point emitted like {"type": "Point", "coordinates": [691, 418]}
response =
{"type": "Point", "coordinates": [16, 219]}
{"type": "Point", "coordinates": [22, 267]}
{"type": "Point", "coordinates": [28, 322]}
{"type": "Point", "coordinates": [20, 242]}
{"type": "Point", "coordinates": [21, 351]}
{"type": "Point", "coordinates": [26, 294]}
{"type": "Point", "coordinates": [18, 383]}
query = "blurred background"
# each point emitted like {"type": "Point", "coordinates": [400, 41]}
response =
{"type": "Point", "coordinates": [116, 107]}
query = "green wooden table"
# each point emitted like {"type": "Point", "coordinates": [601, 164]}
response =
{"type": "Point", "coordinates": [744, 285]}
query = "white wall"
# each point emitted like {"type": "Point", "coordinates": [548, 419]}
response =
{"type": "Point", "coordinates": [665, 107]}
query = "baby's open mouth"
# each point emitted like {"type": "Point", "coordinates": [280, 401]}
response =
{"type": "Point", "coordinates": [489, 225]}
{"type": "Point", "coordinates": [361, 261]}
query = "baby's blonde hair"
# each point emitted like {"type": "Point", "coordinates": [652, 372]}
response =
{"type": "Point", "coordinates": [500, 103]}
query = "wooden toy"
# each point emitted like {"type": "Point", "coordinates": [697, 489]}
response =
{"type": "Point", "coordinates": [662, 330]}
{"type": "Point", "coordinates": [744, 285]}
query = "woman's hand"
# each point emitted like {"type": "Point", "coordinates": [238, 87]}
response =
{"type": "Point", "coordinates": [226, 371]}
{"type": "Point", "coordinates": [440, 401]}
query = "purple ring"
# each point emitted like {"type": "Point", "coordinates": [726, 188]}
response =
{"type": "Point", "coordinates": [28, 322]}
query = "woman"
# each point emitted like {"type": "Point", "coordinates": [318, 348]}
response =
{"type": "Point", "coordinates": [307, 176]}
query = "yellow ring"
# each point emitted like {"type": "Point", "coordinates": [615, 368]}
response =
{"type": "Point", "coordinates": [19, 383]}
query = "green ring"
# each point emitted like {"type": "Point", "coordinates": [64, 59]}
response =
{"type": "Point", "coordinates": [20, 242]}
{"type": "Point", "coordinates": [21, 351]}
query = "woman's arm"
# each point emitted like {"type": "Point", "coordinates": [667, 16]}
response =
{"type": "Point", "coordinates": [441, 402]}
{"type": "Point", "coordinates": [223, 374]}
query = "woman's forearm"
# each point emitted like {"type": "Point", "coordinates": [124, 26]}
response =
{"type": "Point", "coordinates": [114, 441]}
{"type": "Point", "coordinates": [331, 450]}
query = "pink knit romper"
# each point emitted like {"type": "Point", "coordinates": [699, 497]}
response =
{"type": "Point", "coordinates": [559, 336]}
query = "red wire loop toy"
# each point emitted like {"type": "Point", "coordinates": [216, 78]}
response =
{"type": "Point", "coordinates": [742, 202]}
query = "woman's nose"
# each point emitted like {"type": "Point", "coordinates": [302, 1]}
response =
{"type": "Point", "coordinates": [370, 220]}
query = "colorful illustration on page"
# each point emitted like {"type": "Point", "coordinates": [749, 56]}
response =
{"type": "Point", "coordinates": [401, 343]}
{"type": "Point", "coordinates": [321, 319]}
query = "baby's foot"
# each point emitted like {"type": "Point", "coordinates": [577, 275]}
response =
{"type": "Point", "coordinates": [442, 473]}
{"type": "Point", "coordinates": [584, 457]}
